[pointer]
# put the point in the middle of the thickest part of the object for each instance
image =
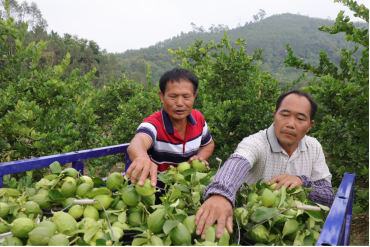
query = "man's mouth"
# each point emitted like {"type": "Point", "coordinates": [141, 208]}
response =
{"type": "Point", "coordinates": [288, 133]}
{"type": "Point", "coordinates": [180, 112]}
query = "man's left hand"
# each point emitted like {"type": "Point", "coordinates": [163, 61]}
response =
{"type": "Point", "coordinates": [289, 181]}
{"type": "Point", "coordinates": [196, 157]}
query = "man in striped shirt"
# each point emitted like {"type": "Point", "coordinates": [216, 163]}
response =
{"type": "Point", "coordinates": [173, 135]}
{"type": "Point", "coordinates": [282, 153]}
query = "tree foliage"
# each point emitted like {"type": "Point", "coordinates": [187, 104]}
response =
{"type": "Point", "coordinates": [342, 92]}
{"type": "Point", "coordinates": [40, 114]}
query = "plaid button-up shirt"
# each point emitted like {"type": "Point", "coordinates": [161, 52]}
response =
{"type": "Point", "coordinates": [261, 156]}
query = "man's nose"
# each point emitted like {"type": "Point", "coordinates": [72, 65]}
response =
{"type": "Point", "coordinates": [180, 101]}
{"type": "Point", "coordinates": [291, 123]}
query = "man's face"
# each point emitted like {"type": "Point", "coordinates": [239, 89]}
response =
{"type": "Point", "coordinates": [292, 120]}
{"type": "Point", "coordinates": [178, 99]}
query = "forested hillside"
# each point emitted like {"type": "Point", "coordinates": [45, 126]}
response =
{"type": "Point", "coordinates": [271, 34]}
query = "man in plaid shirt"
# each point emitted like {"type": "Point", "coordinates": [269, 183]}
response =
{"type": "Point", "coordinates": [282, 153]}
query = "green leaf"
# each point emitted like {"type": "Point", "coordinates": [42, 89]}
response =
{"type": "Point", "coordinates": [182, 188]}
{"type": "Point", "coordinates": [100, 242]}
{"type": "Point", "coordinates": [139, 241]}
{"type": "Point", "coordinates": [282, 195]}
{"type": "Point", "coordinates": [90, 233]}
{"type": "Point", "coordinates": [55, 167]}
{"type": "Point", "coordinates": [173, 205]}
{"type": "Point", "coordinates": [164, 178]}
{"type": "Point", "coordinates": [14, 209]}
{"type": "Point", "coordinates": [98, 182]}
{"type": "Point", "coordinates": [309, 239]}
{"type": "Point", "coordinates": [195, 197]}
{"type": "Point", "coordinates": [55, 194]}
{"type": "Point", "coordinates": [187, 174]}
{"type": "Point", "coordinates": [325, 208]}
{"type": "Point", "coordinates": [175, 194]}
{"type": "Point", "coordinates": [29, 173]}
{"type": "Point", "coordinates": [116, 200]}
{"type": "Point", "coordinates": [169, 225]}
{"type": "Point", "coordinates": [100, 191]}
{"type": "Point", "coordinates": [263, 213]}
{"type": "Point", "coordinates": [258, 184]}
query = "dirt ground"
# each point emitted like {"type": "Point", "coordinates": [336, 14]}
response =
{"type": "Point", "coordinates": [360, 229]}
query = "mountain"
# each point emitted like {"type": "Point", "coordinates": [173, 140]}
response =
{"type": "Point", "coordinates": [271, 34]}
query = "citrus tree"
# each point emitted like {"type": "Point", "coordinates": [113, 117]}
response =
{"type": "Point", "coordinates": [40, 114]}
{"type": "Point", "coordinates": [342, 92]}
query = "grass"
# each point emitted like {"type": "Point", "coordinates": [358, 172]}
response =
{"type": "Point", "coordinates": [360, 229]}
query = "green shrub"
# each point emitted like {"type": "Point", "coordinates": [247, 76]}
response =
{"type": "Point", "coordinates": [342, 93]}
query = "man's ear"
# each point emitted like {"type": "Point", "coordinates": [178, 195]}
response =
{"type": "Point", "coordinates": [160, 96]}
{"type": "Point", "coordinates": [312, 123]}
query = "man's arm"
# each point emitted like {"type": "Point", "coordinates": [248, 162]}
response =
{"type": "Point", "coordinates": [137, 150]}
{"type": "Point", "coordinates": [219, 196]}
{"type": "Point", "coordinates": [322, 191]}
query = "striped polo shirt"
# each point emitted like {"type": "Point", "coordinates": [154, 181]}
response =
{"type": "Point", "coordinates": [168, 148]}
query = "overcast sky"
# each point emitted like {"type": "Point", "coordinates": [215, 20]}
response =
{"type": "Point", "coordinates": [118, 25]}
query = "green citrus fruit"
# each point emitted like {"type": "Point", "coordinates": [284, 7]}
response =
{"type": "Point", "coordinates": [40, 236]}
{"type": "Point", "coordinates": [76, 211]}
{"type": "Point", "coordinates": [88, 180]}
{"type": "Point", "coordinates": [123, 226]}
{"type": "Point", "coordinates": [91, 211]}
{"type": "Point", "coordinates": [134, 219]}
{"type": "Point", "coordinates": [4, 209]}
{"type": "Point", "coordinates": [199, 165]}
{"type": "Point", "coordinates": [12, 241]}
{"type": "Point", "coordinates": [146, 189]}
{"type": "Point", "coordinates": [68, 202]}
{"type": "Point", "coordinates": [268, 198]}
{"type": "Point", "coordinates": [114, 181]}
{"type": "Point", "coordinates": [48, 224]}
{"type": "Point", "coordinates": [183, 166]}
{"type": "Point", "coordinates": [3, 227]}
{"type": "Point", "coordinates": [120, 205]}
{"type": "Point", "coordinates": [31, 208]}
{"type": "Point", "coordinates": [130, 197]}
{"type": "Point", "coordinates": [21, 227]}
{"type": "Point", "coordinates": [104, 199]}
{"type": "Point", "coordinates": [65, 223]}
{"type": "Point", "coordinates": [70, 179]}
{"type": "Point", "coordinates": [82, 189]}
{"type": "Point", "coordinates": [68, 189]}
{"type": "Point", "coordinates": [58, 240]}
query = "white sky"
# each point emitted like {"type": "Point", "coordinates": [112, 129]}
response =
{"type": "Point", "coordinates": [118, 25]}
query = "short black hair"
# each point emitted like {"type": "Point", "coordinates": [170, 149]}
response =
{"type": "Point", "coordinates": [302, 93]}
{"type": "Point", "coordinates": [175, 75]}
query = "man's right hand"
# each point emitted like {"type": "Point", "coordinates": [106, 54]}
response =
{"type": "Point", "coordinates": [146, 167]}
{"type": "Point", "coordinates": [216, 208]}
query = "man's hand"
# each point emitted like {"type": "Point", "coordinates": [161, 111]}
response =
{"type": "Point", "coordinates": [146, 167]}
{"type": "Point", "coordinates": [215, 208]}
{"type": "Point", "coordinates": [196, 157]}
{"type": "Point", "coordinates": [289, 181]}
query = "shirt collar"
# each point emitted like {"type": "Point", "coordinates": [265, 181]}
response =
{"type": "Point", "coordinates": [274, 144]}
{"type": "Point", "coordinates": [168, 124]}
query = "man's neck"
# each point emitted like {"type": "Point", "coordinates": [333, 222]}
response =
{"type": "Point", "coordinates": [289, 149]}
{"type": "Point", "coordinates": [179, 124]}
